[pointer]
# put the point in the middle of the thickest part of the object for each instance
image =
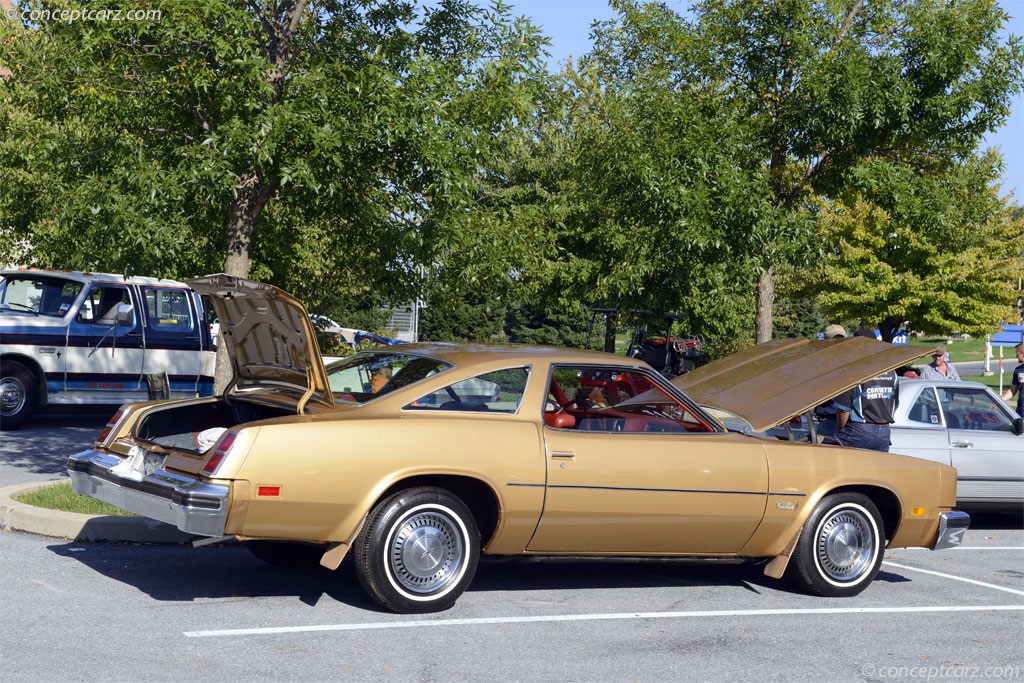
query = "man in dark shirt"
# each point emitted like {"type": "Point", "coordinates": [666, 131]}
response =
{"type": "Point", "coordinates": [1017, 383]}
{"type": "Point", "coordinates": [864, 413]}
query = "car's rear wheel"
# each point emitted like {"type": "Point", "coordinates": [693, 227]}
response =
{"type": "Point", "coordinates": [287, 553]}
{"type": "Point", "coordinates": [840, 548]}
{"type": "Point", "coordinates": [418, 551]}
{"type": "Point", "coordinates": [18, 394]}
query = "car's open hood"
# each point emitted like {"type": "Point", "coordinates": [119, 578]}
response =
{"type": "Point", "coordinates": [770, 383]}
{"type": "Point", "coordinates": [268, 336]}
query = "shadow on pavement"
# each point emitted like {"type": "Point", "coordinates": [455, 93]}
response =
{"type": "Point", "coordinates": [43, 444]}
{"type": "Point", "coordinates": [178, 573]}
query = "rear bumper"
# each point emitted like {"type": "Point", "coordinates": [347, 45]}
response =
{"type": "Point", "coordinates": [952, 526]}
{"type": "Point", "coordinates": [191, 505]}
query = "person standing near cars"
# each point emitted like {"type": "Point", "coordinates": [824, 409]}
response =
{"type": "Point", "coordinates": [825, 413]}
{"type": "Point", "coordinates": [1017, 383]}
{"type": "Point", "coordinates": [940, 368]}
{"type": "Point", "coordinates": [864, 413]}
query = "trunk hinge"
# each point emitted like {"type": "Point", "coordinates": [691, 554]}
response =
{"type": "Point", "coordinates": [309, 392]}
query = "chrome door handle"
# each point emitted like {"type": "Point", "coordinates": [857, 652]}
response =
{"type": "Point", "coordinates": [964, 444]}
{"type": "Point", "coordinates": [563, 455]}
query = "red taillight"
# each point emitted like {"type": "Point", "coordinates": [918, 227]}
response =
{"type": "Point", "coordinates": [219, 453]}
{"type": "Point", "coordinates": [105, 434]}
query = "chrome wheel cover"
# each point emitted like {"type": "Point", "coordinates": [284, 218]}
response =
{"type": "Point", "coordinates": [12, 396]}
{"type": "Point", "coordinates": [426, 552]}
{"type": "Point", "coordinates": [846, 545]}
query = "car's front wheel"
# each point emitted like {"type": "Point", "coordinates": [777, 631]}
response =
{"type": "Point", "coordinates": [840, 548]}
{"type": "Point", "coordinates": [418, 551]}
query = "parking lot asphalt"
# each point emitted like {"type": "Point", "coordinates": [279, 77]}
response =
{"type": "Point", "coordinates": [140, 611]}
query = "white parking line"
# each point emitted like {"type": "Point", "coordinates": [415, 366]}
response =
{"type": "Point", "coordinates": [955, 578]}
{"type": "Point", "coordinates": [592, 617]}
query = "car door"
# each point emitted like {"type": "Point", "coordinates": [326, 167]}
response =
{"type": "Point", "coordinates": [637, 470]}
{"type": "Point", "coordinates": [105, 353]}
{"type": "Point", "coordinates": [922, 434]}
{"type": "Point", "coordinates": [988, 456]}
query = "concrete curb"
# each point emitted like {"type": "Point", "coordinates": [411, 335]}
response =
{"type": "Point", "coordinates": [17, 516]}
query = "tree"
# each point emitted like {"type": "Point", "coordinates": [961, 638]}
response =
{"type": "Point", "coordinates": [318, 144]}
{"type": "Point", "coordinates": [804, 92]}
{"type": "Point", "coordinates": [934, 248]}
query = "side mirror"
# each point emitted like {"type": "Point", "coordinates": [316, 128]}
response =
{"type": "Point", "coordinates": [125, 315]}
{"type": "Point", "coordinates": [1018, 426]}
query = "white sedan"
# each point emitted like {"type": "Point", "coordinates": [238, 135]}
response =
{"type": "Point", "coordinates": [966, 425]}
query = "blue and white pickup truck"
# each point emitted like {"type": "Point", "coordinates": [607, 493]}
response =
{"type": "Point", "coordinates": [91, 338]}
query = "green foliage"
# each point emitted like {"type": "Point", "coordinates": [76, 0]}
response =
{"type": "Point", "coordinates": [935, 248]}
{"type": "Point", "coordinates": [534, 324]}
{"type": "Point", "coordinates": [796, 318]}
{"type": "Point", "coordinates": [461, 315]}
{"type": "Point", "coordinates": [336, 162]}
{"type": "Point", "coordinates": [771, 105]}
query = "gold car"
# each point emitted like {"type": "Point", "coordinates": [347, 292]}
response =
{"type": "Point", "coordinates": [420, 457]}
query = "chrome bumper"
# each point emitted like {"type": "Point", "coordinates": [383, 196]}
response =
{"type": "Point", "coordinates": [189, 504]}
{"type": "Point", "coordinates": [952, 526]}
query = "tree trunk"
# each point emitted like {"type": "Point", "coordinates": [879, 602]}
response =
{"type": "Point", "coordinates": [888, 328]}
{"type": "Point", "coordinates": [254, 190]}
{"type": "Point", "coordinates": [610, 323]}
{"type": "Point", "coordinates": [763, 305]}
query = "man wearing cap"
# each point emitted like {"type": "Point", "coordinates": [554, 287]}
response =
{"type": "Point", "coordinates": [939, 368]}
{"type": "Point", "coordinates": [826, 412]}
{"type": "Point", "coordinates": [834, 331]}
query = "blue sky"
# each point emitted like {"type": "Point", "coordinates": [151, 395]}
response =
{"type": "Point", "coordinates": [567, 23]}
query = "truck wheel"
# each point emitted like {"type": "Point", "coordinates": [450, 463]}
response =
{"type": "Point", "coordinates": [18, 395]}
{"type": "Point", "coordinates": [418, 551]}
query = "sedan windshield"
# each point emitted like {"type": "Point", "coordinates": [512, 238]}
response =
{"type": "Point", "coordinates": [366, 376]}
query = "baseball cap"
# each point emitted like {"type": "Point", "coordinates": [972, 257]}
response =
{"type": "Point", "coordinates": [833, 331]}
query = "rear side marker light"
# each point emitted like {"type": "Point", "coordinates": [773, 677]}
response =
{"type": "Point", "coordinates": [219, 454]}
{"type": "Point", "coordinates": [268, 491]}
{"type": "Point", "coordinates": [105, 434]}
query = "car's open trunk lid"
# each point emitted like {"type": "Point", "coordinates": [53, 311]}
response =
{"type": "Point", "coordinates": [269, 338]}
{"type": "Point", "coordinates": [770, 383]}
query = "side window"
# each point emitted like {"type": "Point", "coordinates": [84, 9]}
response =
{"type": "Point", "coordinates": [496, 392]}
{"type": "Point", "coordinates": [600, 399]}
{"type": "Point", "coordinates": [973, 409]}
{"type": "Point", "coordinates": [925, 409]}
{"type": "Point", "coordinates": [168, 310]}
{"type": "Point", "coordinates": [101, 305]}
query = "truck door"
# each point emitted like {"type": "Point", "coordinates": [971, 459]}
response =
{"type": "Point", "coordinates": [105, 346]}
{"type": "Point", "coordinates": [174, 338]}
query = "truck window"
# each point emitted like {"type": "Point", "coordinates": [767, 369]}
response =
{"type": "Point", "coordinates": [101, 303]}
{"type": "Point", "coordinates": [168, 310]}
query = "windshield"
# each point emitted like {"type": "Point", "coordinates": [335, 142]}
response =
{"type": "Point", "coordinates": [38, 295]}
{"type": "Point", "coordinates": [366, 376]}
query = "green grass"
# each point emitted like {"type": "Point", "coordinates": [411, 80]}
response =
{"type": "Point", "coordinates": [61, 497]}
{"type": "Point", "coordinates": [960, 350]}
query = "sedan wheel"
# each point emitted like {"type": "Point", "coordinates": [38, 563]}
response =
{"type": "Point", "coordinates": [418, 551]}
{"type": "Point", "coordinates": [840, 548]}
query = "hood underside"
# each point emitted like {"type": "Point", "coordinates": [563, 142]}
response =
{"type": "Point", "coordinates": [773, 382]}
{"type": "Point", "coordinates": [269, 338]}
